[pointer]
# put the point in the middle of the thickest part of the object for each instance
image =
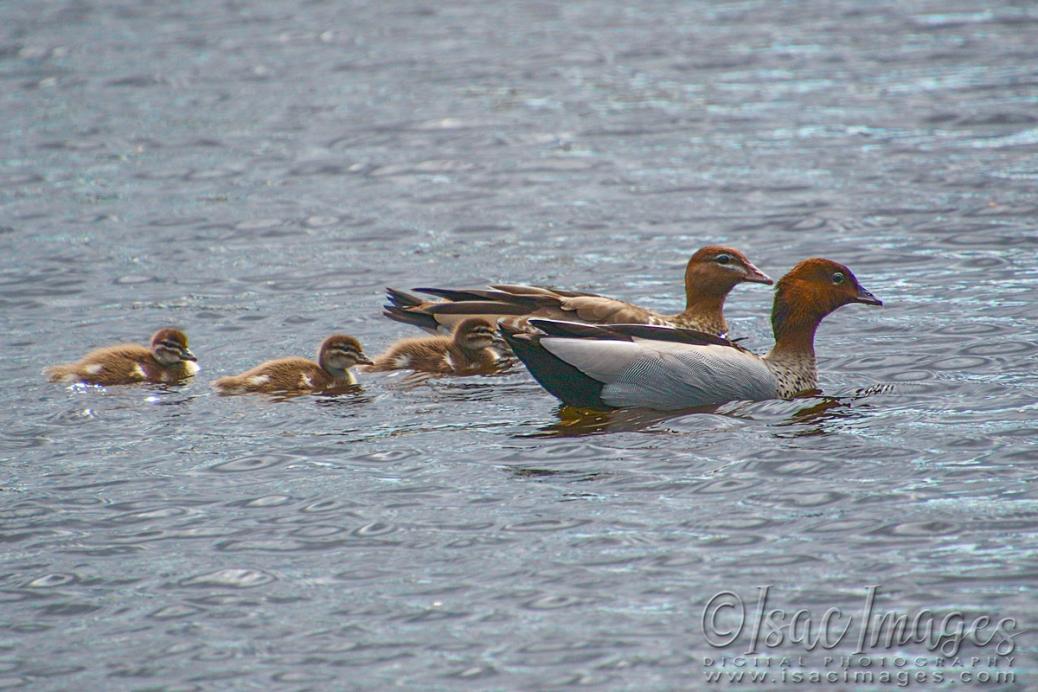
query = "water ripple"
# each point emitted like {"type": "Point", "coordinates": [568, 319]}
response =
{"type": "Point", "coordinates": [229, 578]}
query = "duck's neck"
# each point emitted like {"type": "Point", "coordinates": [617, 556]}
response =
{"type": "Point", "coordinates": [792, 358]}
{"type": "Point", "coordinates": [341, 376]}
{"type": "Point", "coordinates": [704, 304]}
{"type": "Point", "coordinates": [335, 373]}
{"type": "Point", "coordinates": [466, 353]}
{"type": "Point", "coordinates": [472, 357]}
{"type": "Point", "coordinates": [704, 312]}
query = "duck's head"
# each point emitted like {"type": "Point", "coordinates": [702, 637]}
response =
{"type": "Point", "coordinates": [811, 290]}
{"type": "Point", "coordinates": [340, 352]}
{"type": "Point", "coordinates": [169, 346]}
{"type": "Point", "coordinates": [716, 269]}
{"type": "Point", "coordinates": [475, 333]}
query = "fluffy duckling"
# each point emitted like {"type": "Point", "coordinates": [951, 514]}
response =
{"type": "Point", "coordinates": [338, 353]}
{"type": "Point", "coordinates": [467, 351]}
{"type": "Point", "coordinates": [166, 361]}
{"type": "Point", "coordinates": [710, 275]}
{"type": "Point", "coordinates": [622, 366]}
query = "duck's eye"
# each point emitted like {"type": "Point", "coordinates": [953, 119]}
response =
{"type": "Point", "coordinates": [839, 278]}
{"type": "Point", "coordinates": [723, 259]}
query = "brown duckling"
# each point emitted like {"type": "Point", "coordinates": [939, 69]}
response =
{"type": "Point", "coordinates": [338, 353]}
{"type": "Point", "coordinates": [467, 351]}
{"type": "Point", "coordinates": [166, 361]}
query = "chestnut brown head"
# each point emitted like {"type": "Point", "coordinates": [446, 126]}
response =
{"type": "Point", "coordinates": [813, 289]}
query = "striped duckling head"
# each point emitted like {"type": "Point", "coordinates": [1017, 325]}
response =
{"type": "Point", "coordinates": [340, 352]}
{"type": "Point", "coordinates": [475, 334]}
{"type": "Point", "coordinates": [169, 346]}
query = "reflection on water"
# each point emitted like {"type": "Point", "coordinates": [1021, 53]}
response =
{"type": "Point", "coordinates": [259, 172]}
{"type": "Point", "coordinates": [809, 420]}
{"type": "Point", "coordinates": [577, 422]}
{"type": "Point", "coordinates": [812, 419]}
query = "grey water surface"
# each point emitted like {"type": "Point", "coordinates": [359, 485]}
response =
{"type": "Point", "coordinates": [258, 172]}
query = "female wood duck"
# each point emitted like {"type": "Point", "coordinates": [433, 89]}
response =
{"type": "Point", "coordinates": [467, 351]}
{"type": "Point", "coordinates": [167, 360]}
{"type": "Point", "coordinates": [710, 275]}
{"type": "Point", "coordinates": [621, 366]}
{"type": "Point", "coordinates": [338, 353]}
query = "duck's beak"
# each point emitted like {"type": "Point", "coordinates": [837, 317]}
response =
{"type": "Point", "coordinates": [756, 276]}
{"type": "Point", "coordinates": [865, 296]}
{"type": "Point", "coordinates": [185, 354]}
{"type": "Point", "coordinates": [363, 359]}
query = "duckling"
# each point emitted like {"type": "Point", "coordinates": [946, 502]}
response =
{"type": "Point", "coordinates": [623, 365]}
{"type": "Point", "coordinates": [710, 275]}
{"type": "Point", "coordinates": [167, 360]}
{"type": "Point", "coordinates": [338, 353]}
{"type": "Point", "coordinates": [467, 351]}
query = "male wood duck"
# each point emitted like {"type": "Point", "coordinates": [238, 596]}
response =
{"type": "Point", "coordinates": [637, 366]}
